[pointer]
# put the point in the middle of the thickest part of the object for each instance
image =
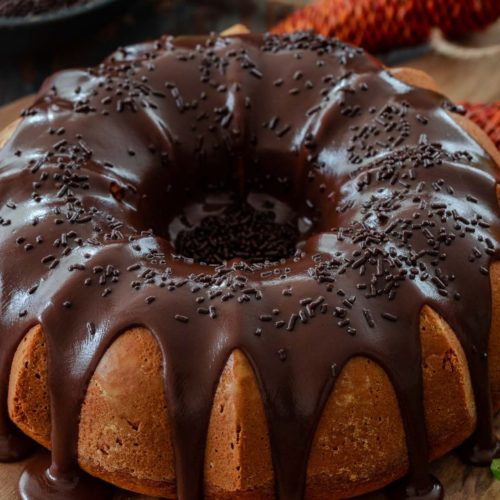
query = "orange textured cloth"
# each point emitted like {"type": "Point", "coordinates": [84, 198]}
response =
{"type": "Point", "coordinates": [380, 25]}
{"type": "Point", "coordinates": [487, 116]}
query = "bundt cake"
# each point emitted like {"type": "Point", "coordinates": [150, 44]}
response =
{"type": "Point", "coordinates": [246, 266]}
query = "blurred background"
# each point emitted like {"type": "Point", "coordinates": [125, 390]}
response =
{"type": "Point", "coordinates": [46, 49]}
{"type": "Point", "coordinates": [33, 47]}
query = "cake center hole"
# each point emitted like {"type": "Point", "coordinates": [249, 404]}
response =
{"type": "Point", "coordinates": [255, 229]}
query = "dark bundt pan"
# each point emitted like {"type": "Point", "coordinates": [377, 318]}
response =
{"type": "Point", "coordinates": [20, 35]}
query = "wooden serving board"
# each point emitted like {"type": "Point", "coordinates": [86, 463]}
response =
{"type": "Point", "coordinates": [11, 111]}
{"type": "Point", "coordinates": [461, 482]}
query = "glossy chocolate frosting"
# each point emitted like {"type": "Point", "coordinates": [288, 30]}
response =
{"type": "Point", "coordinates": [401, 200]}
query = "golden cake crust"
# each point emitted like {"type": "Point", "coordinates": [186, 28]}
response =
{"type": "Point", "coordinates": [124, 434]}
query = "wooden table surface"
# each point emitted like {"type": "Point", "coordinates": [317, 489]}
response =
{"type": "Point", "coordinates": [476, 81]}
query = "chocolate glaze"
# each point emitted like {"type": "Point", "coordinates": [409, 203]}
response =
{"type": "Point", "coordinates": [404, 209]}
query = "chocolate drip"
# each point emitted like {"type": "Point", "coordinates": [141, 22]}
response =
{"type": "Point", "coordinates": [404, 214]}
